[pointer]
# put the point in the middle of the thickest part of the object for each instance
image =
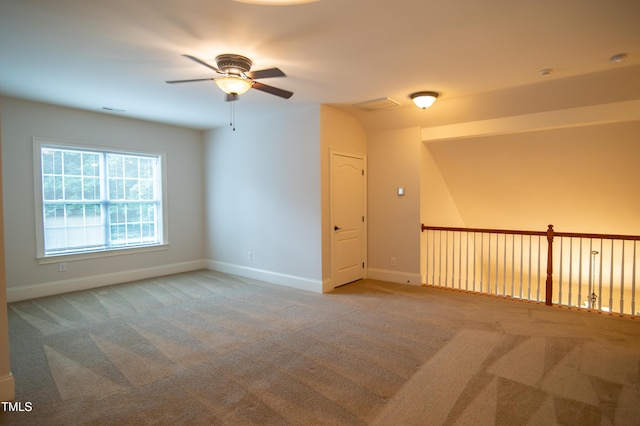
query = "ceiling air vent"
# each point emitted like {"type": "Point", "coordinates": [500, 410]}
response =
{"type": "Point", "coordinates": [376, 104]}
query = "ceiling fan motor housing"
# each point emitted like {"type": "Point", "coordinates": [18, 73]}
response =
{"type": "Point", "coordinates": [233, 64]}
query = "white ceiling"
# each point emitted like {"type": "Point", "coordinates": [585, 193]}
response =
{"type": "Point", "coordinates": [119, 53]}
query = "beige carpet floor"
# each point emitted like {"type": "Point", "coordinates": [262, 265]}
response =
{"type": "Point", "coordinates": [205, 348]}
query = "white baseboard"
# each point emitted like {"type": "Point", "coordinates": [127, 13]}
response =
{"type": "Point", "coordinates": [394, 276]}
{"type": "Point", "coordinates": [302, 283]}
{"type": "Point", "coordinates": [15, 294]}
{"type": "Point", "coordinates": [7, 388]}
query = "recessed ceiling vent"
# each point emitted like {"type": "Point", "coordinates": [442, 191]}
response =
{"type": "Point", "coordinates": [376, 104]}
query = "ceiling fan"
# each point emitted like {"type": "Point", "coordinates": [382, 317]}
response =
{"type": "Point", "coordinates": [237, 76]}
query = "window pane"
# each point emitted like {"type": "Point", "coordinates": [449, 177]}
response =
{"type": "Point", "coordinates": [72, 163]}
{"type": "Point", "coordinates": [53, 215]}
{"type": "Point", "coordinates": [148, 212]}
{"type": "Point", "coordinates": [133, 233]}
{"type": "Point", "coordinates": [57, 164]}
{"type": "Point", "coordinates": [118, 234]}
{"type": "Point", "coordinates": [91, 164]}
{"type": "Point", "coordinates": [116, 189]}
{"type": "Point", "coordinates": [148, 231]}
{"type": "Point", "coordinates": [146, 190]}
{"type": "Point", "coordinates": [131, 167]}
{"type": "Point", "coordinates": [131, 189]}
{"type": "Point", "coordinates": [94, 237]}
{"type": "Point", "coordinates": [54, 227]}
{"type": "Point", "coordinates": [146, 168]}
{"type": "Point", "coordinates": [52, 188]}
{"type": "Point", "coordinates": [72, 188]}
{"type": "Point", "coordinates": [133, 213]}
{"type": "Point", "coordinates": [91, 188]}
{"type": "Point", "coordinates": [92, 214]}
{"type": "Point", "coordinates": [116, 168]}
{"type": "Point", "coordinates": [74, 214]}
{"type": "Point", "coordinates": [51, 161]}
{"type": "Point", "coordinates": [116, 213]}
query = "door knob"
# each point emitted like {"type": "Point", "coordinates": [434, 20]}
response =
{"type": "Point", "coordinates": [336, 228]}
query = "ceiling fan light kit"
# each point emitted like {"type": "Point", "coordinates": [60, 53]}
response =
{"type": "Point", "coordinates": [424, 99]}
{"type": "Point", "coordinates": [233, 85]}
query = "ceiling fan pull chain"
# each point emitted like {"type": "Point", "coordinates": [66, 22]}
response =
{"type": "Point", "coordinates": [233, 115]}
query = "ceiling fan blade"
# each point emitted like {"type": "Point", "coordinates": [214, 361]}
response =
{"type": "Point", "coordinates": [201, 62]}
{"type": "Point", "coordinates": [268, 73]}
{"type": "Point", "coordinates": [231, 97]}
{"type": "Point", "coordinates": [189, 81]}
{"type": "Point", "coordinates": [272, 90]}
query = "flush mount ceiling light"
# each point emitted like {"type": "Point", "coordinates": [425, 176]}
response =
{"type": "Point", "coordinates": [618, 58]}
{"type": "Point", "coordinates": [424, 99]}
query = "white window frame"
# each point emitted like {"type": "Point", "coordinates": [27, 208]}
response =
{"type": "Point", "coordinates": [41, 257]}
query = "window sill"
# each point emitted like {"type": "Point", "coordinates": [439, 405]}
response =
{"type": "Point", "coordinates": [100, 254]}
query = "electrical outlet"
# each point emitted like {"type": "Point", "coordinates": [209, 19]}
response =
{"type": "Point", "coordinates": [393, 261]}
{"type": "Point", "coordinates": [62, 267]}
{"type": "Point", "coordinates": [249, 255]}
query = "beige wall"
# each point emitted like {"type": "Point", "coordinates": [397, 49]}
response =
{"type": "Point", "coordinates": [339, 132]}
{"type": "Point", "coordinates": [437, 205]}
{"type": "Point", "coordinates": [394, 221]}
{"type": "Point", "coordinates": [580, 179]}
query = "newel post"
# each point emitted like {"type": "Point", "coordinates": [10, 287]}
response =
{"type": "Point", "coordinates": [549, 283]}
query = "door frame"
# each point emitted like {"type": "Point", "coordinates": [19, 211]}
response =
{"type": "Point", "coordinates": [363, 157]}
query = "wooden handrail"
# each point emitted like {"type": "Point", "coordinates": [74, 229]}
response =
{"type": "Point", "coordinates": [540, 233]}
{"type": "Point", "coordinates": [484, 230]}
{"type": "Point", "coordinates": [598, 236]}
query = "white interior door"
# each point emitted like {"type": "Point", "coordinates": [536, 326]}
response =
{"type": "Point", "coordinates": [348, 218]}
